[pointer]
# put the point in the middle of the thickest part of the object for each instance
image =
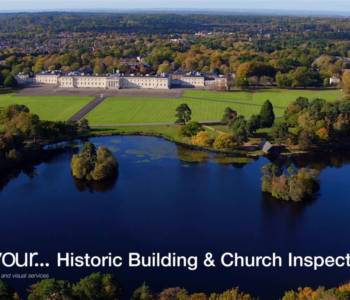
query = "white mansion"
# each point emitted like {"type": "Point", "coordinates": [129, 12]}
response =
{"type": "Point", "coordinates": [125, 82]}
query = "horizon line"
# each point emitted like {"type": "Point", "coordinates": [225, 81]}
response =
{"type": "Point", "coordinates": [222, 11]}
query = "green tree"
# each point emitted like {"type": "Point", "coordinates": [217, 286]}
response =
{"type": "Point", "coordinates": [283, 80]}
{"type": "Point", "coordinates": [6, 293]}
{"type": "Point", "coordinates": [280, 132]}
{"type": "Point", "coordinates": [242, 82]}
{"type": "Point", "coordinates": [143, 293]}
{"type": "Point", "coordinates": [165, 67]}
{"type": "Point", "coordinates": [10, 81]}
{"type": "Point", "coordinates": [97, 286]}
{"type": "Point", "coordinates": [183, 114]}
{"type": "Point", "coordinates": [83, 126]}
{"type": "Point", "coordinates": [254, 123]}
{"type": "Point", "coordinates": [239, 129]}
{"type": "Point", "coordinates": [51, 289]}
{"type": "Point", "coordinates": [229, 115]}
{"type": "Point", "coordinates": [267, 115]}
{"type": "Point", "coordinates": [190, 129]}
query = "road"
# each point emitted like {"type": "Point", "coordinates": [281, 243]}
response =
{"type": "Point", "coordinates": [87, 108]}
{"type": "Point", "coordinates": [152, 124]}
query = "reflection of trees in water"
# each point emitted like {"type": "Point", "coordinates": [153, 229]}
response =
{"type": "Point", "coordinates": [275, 211]}
{"type": "Point", "coordinates": [28, 166]}
{"type": "Point", "coordinates": [191, 156]}
{"type": "Point", "coordinates": [95, 186]}
{"type": "Point", "coordinates": [317, 160]}
{"type": "Point", "coordinates": [188, 155]}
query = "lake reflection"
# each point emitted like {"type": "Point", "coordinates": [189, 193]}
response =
{"type": "Point", "coordinates": [167, 198]}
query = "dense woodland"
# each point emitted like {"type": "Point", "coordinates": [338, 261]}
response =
{"type": "Point", "coordinates": [23, 134]}
{"type": "Point", "coordinates": [285, 51]}
{"type": "Point", "coordinates": [99, 286]}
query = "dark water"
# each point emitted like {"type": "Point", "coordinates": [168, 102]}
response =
{"type": "Point", "coordinates": [160, 203]}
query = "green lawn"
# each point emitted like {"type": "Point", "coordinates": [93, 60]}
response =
{"type": "Point", "coordinates": [53, 108]}
{"type": "Point", "coordinates": [205, 105]}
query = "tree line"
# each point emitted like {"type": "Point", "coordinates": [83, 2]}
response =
{"type": "Point", "coordinates": [99, 286]}
{"type": "Point", "coordinates": [293, 52]}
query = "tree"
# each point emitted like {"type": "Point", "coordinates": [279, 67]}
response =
{"type": "Point", "coordinates": [97, 286]}
{"type": "Point", "coordinates": [94, 165]}
{"type": "Point", "coordinates": [99, 68]}
{"type": "Point", "coordinates": [174, 294]}
{"type": "Point", "coordinates": [303, 77]}
{"type": "Point", "coordinates": [346, 84]}
{"type": "Point", "coordinates": [6, 292]}
{"type": "Point", "coordinates": [254, 123]}
{"type": "Point", "coordinates": [280, 132]}
{"type": "Point", "coordinates": [283, 80]}
{"type": "Point", "coordinates": [50, 289]}
{"type": "Point", "coordinates": [229, 116]}
{"type": "Point", "coordinates": [224, 141]}
{"type": "Point", "coordinates": [190, 129]}
{"type": "Point", "coordinates": [202, 138]}
{"type": "Point", "coordinates": [10, 81]}
{"type": "Point", "coordinates": [142, 293]}
{"type": "Point", "coordinates": [242, 82]}
{"type": "Point", "coordinates": [106, 165]}
{"type": "Point", "coordinates": [306, 139]}
{"type": "Point", "coordinates": [165, 67]}
{"type": "Point", "coordinates": [183, 114]}
{"type": "Point", "coordinates": [239, 129]}
{"type": "Point", "coordinates": [291, 184]}
{"type": "Point", "coordinates": [83, 126]}
{"type": "Point", "coordinates": [267, 115]}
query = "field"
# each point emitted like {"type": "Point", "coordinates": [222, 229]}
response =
{"type": "Point", "coordinates": [205, 105]}
{"type": "Point", "coordinates": [53, 108]}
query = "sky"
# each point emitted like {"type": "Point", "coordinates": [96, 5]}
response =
{"type": "Point", "coordinates": [256, 5]}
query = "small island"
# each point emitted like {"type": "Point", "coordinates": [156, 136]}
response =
{"type": "Point", "coordinates": [289, 184]}
{"type": "Point", "coordinates": [94, 165]}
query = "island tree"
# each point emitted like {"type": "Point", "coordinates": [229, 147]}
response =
{"type": "Point", "coordinates": [94, 165]}
{"type": "Point", "coordinates": [291, 184]}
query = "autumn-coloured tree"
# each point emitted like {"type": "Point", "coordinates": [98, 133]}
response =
{"type": "Point", "coordinates": [346, 84]}
{"type": "Point", "coordinates": [202, 138]}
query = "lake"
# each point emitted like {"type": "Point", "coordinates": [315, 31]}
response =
{"type": "Point", "coordinates": [169, 199]}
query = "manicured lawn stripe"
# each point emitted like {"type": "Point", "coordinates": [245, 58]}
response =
{"type": "Point", "coordinates": [52, 108]}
